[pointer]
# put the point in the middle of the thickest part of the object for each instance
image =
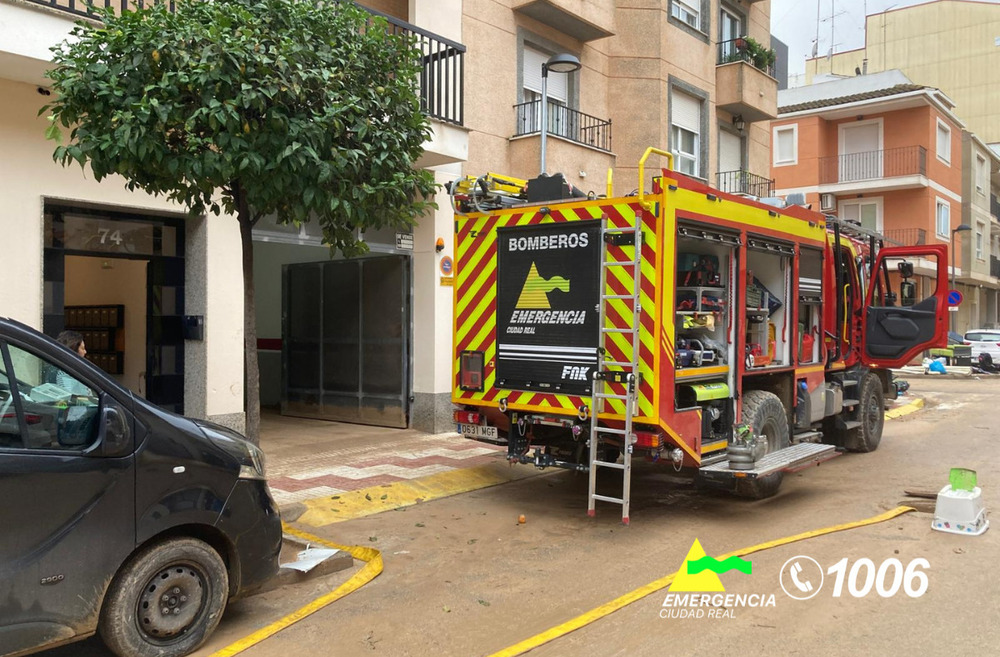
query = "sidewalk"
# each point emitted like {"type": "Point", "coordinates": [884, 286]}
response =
{"type": "Point", "coordinates": [308, 459]}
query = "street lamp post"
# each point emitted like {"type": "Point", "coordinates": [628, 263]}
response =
{"type": "Point", "coordinates": [561, 63]}
{"type": "Point", "coordinates": [961, 228]}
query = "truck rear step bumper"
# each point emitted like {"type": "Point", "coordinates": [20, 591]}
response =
{"type": "Point", "coordinates": [789, 459]}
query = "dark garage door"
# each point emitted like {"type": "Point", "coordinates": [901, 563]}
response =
{"type": "Point", "coordinates": [346, 327]}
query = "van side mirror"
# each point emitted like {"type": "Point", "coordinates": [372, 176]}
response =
{"type": "Point", "coordinates": [905, 270]}
{"type": "Point", "coordinates": [907, 292]}
{"type": "Point", "coordinates": [115, 438]}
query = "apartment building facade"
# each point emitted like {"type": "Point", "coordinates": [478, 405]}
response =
{"type": "Point", "coordinates": [948, 44]}
{"type": "Point", "coordinates": [893, 156]}
{"type": "Point", "coordinates": [688, 75]}
{"type": "Point", "coordinates": [79, 246]}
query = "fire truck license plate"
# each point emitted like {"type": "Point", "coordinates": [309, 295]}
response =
{"type": "Point", "coordinates": [477, 431]}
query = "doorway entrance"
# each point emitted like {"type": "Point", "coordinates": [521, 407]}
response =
{"type": "Point", "coordinates": [346, 340]}
{"type": "Point", "coordinates": [118, 278]}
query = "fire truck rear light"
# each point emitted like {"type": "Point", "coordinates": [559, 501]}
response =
{"type": "Point", "coordinates": [470, 371]}
{"type": "Point", "coordinates": [466, 417]}
{"type": "Point", "coordinates": [647, 439]}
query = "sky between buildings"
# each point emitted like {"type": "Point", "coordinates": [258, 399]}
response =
{"type": "Point", "coordinates": [794, 22]}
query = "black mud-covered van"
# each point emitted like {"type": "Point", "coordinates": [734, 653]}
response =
{"type": "Point", "coordinates": [116, 516]}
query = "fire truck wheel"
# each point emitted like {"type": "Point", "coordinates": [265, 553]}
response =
{"type": "Point", "coordinates": [871, 414]}
{"type": "Point", "coordinates": [765, 413]}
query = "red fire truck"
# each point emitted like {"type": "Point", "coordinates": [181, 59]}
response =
{"type": "Point", "coordinates": [735, 337]}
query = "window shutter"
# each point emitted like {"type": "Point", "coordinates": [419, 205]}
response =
{"type": "Point", "coordinates": [685, 111]}
{"type": "Point", "coordinates": [558, 82]}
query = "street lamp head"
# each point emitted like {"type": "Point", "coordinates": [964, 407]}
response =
{"type": "Point", "coordinates": [960, 228]}
{"type": "Point", "coordinates": [562, 63]}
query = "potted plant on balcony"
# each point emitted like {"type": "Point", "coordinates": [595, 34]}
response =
{"type": "Point", "coordinates": [761, 57]}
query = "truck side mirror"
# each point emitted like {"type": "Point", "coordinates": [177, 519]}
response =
{"type": "Point", "coordinates": [905, 270]}
{"type": "Point", "coordinates": [907, 291]}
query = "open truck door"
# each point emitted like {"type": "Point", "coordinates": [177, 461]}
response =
{"type": "Point", "coordinates": [899, 325]}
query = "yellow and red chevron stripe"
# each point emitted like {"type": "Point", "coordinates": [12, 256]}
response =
{"type": "Point", "coordinates": [476, 298]}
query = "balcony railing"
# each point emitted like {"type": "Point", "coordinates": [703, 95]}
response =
{"type": "Point", "coordinates": [873, 165]}
{"type": "Point", "coordinates": [906, 236]}
{"type": "Point", "coordinates": [737, 50]}
{"type": "Point", "coordinates": [994, 266]}
{"type": "Point", "coordinates": [995, 207]}
{"type": "Point", "coordinates": [442, 78]}
{"type": "Point", "coordinates": [744, 182]}
{"type": "Point", "coordinates": [563, 122]}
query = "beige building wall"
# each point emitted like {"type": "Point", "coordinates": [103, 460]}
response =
{"type": "Point", "coordinates": [213, 285]}
{"type": "Point", "coordinates": [948, 44]}
{"type": "Point", "coordinates": [625, 77]}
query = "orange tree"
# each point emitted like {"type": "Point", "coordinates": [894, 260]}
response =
{"type": "Point", "coordinates": [298, 110]}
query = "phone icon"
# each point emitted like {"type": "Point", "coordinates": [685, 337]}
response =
{"type": "Point", "coordinates": [801, 577]}
{"type": "Point", "coordinates": [794, 572]}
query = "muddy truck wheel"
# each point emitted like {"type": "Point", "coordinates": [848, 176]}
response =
{"type": "Point", "coordinates": [765, 414]}
{"type": "Point", "coordinates": [871, 414]}
{"type": "Point", "coordinates": [166, 601]}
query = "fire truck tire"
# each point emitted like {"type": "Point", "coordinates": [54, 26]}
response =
{"type": "Point", "coordinates": [765, 413]}
{"type": "Point", "coordinates": [871, 414]}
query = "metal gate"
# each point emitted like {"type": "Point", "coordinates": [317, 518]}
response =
{"type": "Point", "coordinates": [345, 347]}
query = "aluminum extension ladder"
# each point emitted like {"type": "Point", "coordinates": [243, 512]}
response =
{"type": "Point", "coordinates": [608, 372]}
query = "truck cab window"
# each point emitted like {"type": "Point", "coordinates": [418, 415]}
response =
{"type": "Point", "coordinates": [60, 412]}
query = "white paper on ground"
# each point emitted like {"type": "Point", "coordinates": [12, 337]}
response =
{"type": "Point", "coordinates": [309, 558]}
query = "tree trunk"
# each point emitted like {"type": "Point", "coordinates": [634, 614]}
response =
{"type": "Point", "coordinates": [252, 372]}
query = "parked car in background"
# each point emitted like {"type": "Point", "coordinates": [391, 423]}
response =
{"type": "Point", "coordinates": [118, 517]}
{"type": "Point", "coordinates": [984, 341]}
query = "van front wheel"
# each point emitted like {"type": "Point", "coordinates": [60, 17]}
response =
{"type": "Point", "coordinates": [166, 601]}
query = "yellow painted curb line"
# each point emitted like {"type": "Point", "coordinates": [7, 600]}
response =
{"type": "Point", "coordinates": [657, 585]}
{"type": "Point", "coordinates": [376, 499]}
{"type": "Point", "coordinates": [906, 409]}
{"type": "Point", "coordinates": [371, 570]}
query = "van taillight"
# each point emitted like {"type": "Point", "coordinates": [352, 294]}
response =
{"type": "Point", "coordinates": [466, 417]}
{"type": "Point", "coordinates": [470, 371]}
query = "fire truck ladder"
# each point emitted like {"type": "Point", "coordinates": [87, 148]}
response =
{"type": "Point", "coordinates": [620, 372]}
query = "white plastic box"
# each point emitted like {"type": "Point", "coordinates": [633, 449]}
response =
{"type": "Point", "coordinates": [960, 512]}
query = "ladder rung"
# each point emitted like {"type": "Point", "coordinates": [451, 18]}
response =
{"type": "Point", "coordinates": [609, 395]}
{"type": "Point", "coordinates": [615, 229]}
{"type": "Point", "coordinates": [615, 363]}
{"type": "Point", "coordinates": [617, 432]}
{"type": "Point", "coordinates": [621, 263]}
{"type": "Point", "coordinates": [608, 464]}
{"type": "Point", "coordinates": [605, 498]}
{"type": "Point", "coordinates": [619, 296]}
{"type": "Point", "coordinates": [617, 330]}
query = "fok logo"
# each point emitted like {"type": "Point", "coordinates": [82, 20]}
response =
{"type": "Point", "coordinates": [697, 591]}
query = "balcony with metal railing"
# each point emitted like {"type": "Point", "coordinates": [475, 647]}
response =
{"type": "Point", "coordinates": [906, 236]}
{"type": "Point", "coordinates": [563, 122]}
{"type": "Point", "coordinates": [895, 168]}
{"type": "Point", "coordinates": [744, 81]}
{"type": "Point", "coordinates": [744, 182]}
{"type": "Point", "coordinates": [442, 77]}
{"type": "Point", "coordinates": [995, 207]}
{"type": "Point", "coordinates": [994, 266]}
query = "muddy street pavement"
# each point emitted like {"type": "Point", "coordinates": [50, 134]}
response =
{"type": "Point", "coordinates": [464, 577]}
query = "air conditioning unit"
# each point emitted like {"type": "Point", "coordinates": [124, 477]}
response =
{"type": "Point", "coordinates": [827, 202]}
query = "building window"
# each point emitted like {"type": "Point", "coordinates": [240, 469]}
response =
{"type": "Point", "coordinates": [786, 145]}
{"type": "Point", "coordinates": [981, 174]}
{"type": "Point", "coordinates": [943, 219]}
{"type": "Point", "coordinates": [685, 132]}
{"type": "Point", "coordinates": [687, 12]}
{"type": "Point", "coordinates": [529, 116]}
{"type": "Point", "coordinates": [979, 241]}
{"type": "Point", "coordinates": [866, 212]}
{"type": "Point", "coordinates": [943, 142]}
